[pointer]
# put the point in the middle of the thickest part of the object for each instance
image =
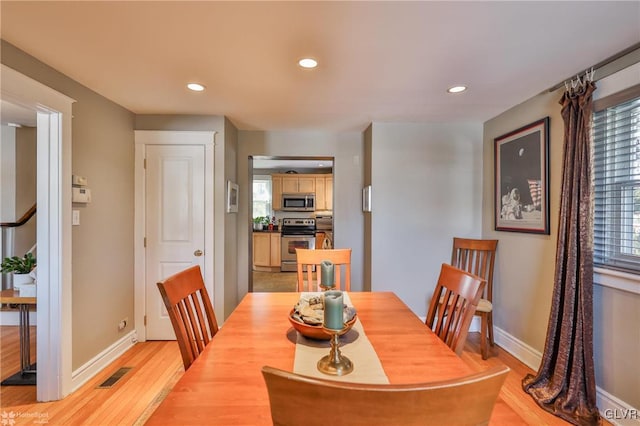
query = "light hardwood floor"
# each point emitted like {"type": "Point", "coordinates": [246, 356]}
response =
{"type": "Point", "coordinates": [156, 366]}
{"type": "Point", "coordinates": [274, 281]}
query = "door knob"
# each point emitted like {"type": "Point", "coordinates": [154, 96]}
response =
{"type": "Point", "coordinates": [197, 253]}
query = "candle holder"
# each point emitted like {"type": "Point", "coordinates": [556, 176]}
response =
{"type": "Point", "coordinates": [335, 364]}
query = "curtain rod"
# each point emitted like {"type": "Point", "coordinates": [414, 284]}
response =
{"type": "Point", "coordinates": [599, 65]}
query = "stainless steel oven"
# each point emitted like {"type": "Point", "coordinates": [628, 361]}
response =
{"type": "Point", "coordinates": [296, 233]}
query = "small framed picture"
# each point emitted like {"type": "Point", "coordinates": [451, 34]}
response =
{"type": "Point", "coordinates": [521, 172]}
{"type": "Point", "coordinates": [232, 197]}
{"type": "Point", "coordinates": [366, 198]}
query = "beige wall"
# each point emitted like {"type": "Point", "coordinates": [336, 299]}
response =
{"type": "Point", "coordinates": [7, 173]}
{"type": "Point", "coordinates": [368, 134]}
{"type": "Point", "coordinates": [425, 191]}
{"type": "Point", "coordinates": [525, 268]}
{"type": "Point", "coordinates": [525, 262]}
{"type": "Point", "coordinates": [25, 236]}
{"type": "Point", "coordinates": [231, 296]}
{"type": "Point", "coordinates": [102, 151]}
{"type": "Point", "coordinates": [25, 169]}
{"type": "Point", "coordinates": [347, 150]}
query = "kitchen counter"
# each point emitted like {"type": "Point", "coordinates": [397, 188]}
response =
{"type": "Point", "coordinates": [275, 231]}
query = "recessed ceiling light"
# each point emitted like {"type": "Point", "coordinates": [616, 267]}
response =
{"type": "Point", "coordinates": [196, 87]}
{"type": "Point", "coordinates": [308, 63]}
{"type": "Point", "coordinates": [456, 89]}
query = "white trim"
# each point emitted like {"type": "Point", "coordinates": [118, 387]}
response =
{"type": "Point", "coordinates": [476, 323]}
{"type": "Point", "coordinates": [54, 332]}
{"type": "Point", "coordinates": [623, 79]}
{"type": "Point", "coordinates": [616, 411]}
{"type": "Point", "coordinates": [102, 360]}
{"type": "Point", "coordinates": [617, 279]}
{"type": "Point", "coordinates": [608, 405]}
{"type": "Point", "coordinates": [170, 137]}
{"type": "Point", "coordinates": [526, 354]}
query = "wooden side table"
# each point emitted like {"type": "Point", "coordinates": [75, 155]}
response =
{"type": "Point", "coordinates": [27, 373]}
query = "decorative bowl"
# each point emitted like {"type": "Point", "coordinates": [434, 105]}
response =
{"type": "Point", "coordinates": [315, 331]}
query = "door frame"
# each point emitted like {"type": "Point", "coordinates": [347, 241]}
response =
{"type": "Point", "coordinates": [169, 137]}
{"type": "Point", "coordinates": [54, 325]}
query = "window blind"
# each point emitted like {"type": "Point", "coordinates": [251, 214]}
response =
{"type": "Point", "coordinates": [616, 169]}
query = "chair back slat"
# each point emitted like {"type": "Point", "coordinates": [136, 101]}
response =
{"type": "Point", "coordinates": [453, 305]}
{"type": "Point", "coordinates": [466, 400]}
{"type": "Point", "coordinates": [190, 311]}
{"type": "Point", "coordinates": [477, 257]}
{"type": "Point", "coordinates": [308, 258]}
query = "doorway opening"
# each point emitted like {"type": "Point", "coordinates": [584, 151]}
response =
{"type": "Point", "coordinates": [52, 111]}
{"type": "Point", "coordinates": [18, 244]}
{"type": "Point", "coordinates": [272, 178]}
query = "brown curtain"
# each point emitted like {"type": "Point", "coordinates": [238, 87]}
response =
{"type": "Point", "coordinates": [565, 383]}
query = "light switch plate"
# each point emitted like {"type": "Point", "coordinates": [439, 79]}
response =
{"type": "Point", "coordinates": [76, 217]}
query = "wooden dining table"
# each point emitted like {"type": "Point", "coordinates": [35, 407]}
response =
{"type": "Point", "coordinates": [224, 386]}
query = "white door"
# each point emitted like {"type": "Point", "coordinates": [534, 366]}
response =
{"type": "Point", "coordinates": [174, 223]}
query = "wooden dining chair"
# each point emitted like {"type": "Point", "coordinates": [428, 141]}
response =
{"type": "Point", "coordinates": [453, 305]}
{"type": "Point", "coordinates": [307, 258]}
{"type": "Point", "coordinates": [478, 257]}
{"type": "Point", "coordinates": [192, 317]}
{"type": "Point", "coordinates": [303, 400]}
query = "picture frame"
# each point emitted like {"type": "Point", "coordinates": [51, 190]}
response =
{"type": "Point", "coordinates": [521, 174]}
{"type": "Point", "coordinates": [366, 199]}
{"type": "Point", "coordinates": [232, 197]}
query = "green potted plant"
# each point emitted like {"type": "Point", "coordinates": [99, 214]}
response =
{"type": "Point", "coordinates": [20, 267]}
{"type": "Point", "coordinates": [258, 222]}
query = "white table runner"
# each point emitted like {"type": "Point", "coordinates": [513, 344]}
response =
{"type": "Point", "coordinates": [354, 345]}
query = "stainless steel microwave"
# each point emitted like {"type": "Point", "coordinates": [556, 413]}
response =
{"type": "Point", "coordinates": [303, 202]}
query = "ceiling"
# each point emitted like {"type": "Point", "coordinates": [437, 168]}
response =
{"type": "Point", "coordinates": [378, 61]}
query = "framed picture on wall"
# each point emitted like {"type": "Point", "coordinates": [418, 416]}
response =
{"type": "Point", "coordinates": [232, 197]}
{"type": "Point", "coordinates": [366, 199]}
{"type": "Point", "coordinates": [521, 172]}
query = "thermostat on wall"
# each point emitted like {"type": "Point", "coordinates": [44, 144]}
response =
{"type": "Point", "coordinates": [81, 195]}
{"type": "Point", "coordinates": [78, 180]}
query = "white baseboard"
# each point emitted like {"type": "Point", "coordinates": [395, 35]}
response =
{"type": "Point", "coordinates": [100, 361]}
{"type": "Point", "coordinates": [616, 411]}
{"type": "Point", "coordinates": [525, 353]}
{"type": "Point", "coordinates": [476, 322]}
{"type": "Point", "coordinates": [13, 318]}
{"type": "Point", "coordinates": [611, 408]}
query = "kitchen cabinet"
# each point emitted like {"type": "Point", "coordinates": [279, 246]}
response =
{"type": "Point", "coordinates": [319, 184]}
{"type": "Point", "coordinates": [298, 184]}
{"type": "Point", "coordinates": [266, 250]}
{"type": "Point", "coordinates": [328, 192]}
{"type": "Point", "coordinates": [276, 192]}
{"type": "Point", "coordinates": [324, 192]}
{"type": "Point", "coordinates": [320, 193]}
